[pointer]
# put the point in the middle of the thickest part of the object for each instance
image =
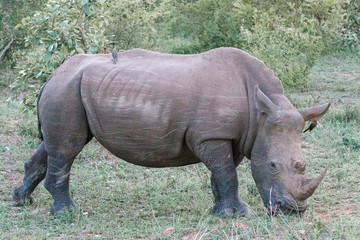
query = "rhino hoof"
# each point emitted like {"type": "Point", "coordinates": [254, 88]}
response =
{"type": "Point", "coordinates": [225, 211]}
{"type": "Point", "coordinates": [62, 210]}
{"type": "Point", "coordinates": [20, 196]}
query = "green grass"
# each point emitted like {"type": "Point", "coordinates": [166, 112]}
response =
{"type": "Point", "coordinates": [118, 200]}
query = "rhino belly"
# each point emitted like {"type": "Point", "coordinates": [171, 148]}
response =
{"type": "Point", "coordinates": [137, 122]}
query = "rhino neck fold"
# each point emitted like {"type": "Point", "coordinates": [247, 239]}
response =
{"type": "Point", "coordinates": [269, 84]}
{"type": "Point", "coordinates": [253, 121]}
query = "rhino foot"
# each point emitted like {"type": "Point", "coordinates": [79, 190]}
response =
{"type": "Point", "coordinates": [62, 209]}
{"type": "Point", "coordinates": [20, 196]}
{"type": "Point", "coordinates": [229, 208]}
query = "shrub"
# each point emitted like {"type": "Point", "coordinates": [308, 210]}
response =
{"type": "Point", "coordinates": [287, 36]}
{"type": "Point", "coordinates": [291, 55]}
{"type": "Point", "coordinates": [133, 23]}
{"type": "Point", "coordinates": [53, 34]}
{"type": "Point", "coordinates": [350, 40]}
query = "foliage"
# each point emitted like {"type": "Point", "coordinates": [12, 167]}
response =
{"type": "Point", "coordinates": [287, 36]}
{"type": "Point", "coordinates": [353, 16]}
{"type": "Point", "coordinates": [289, 51]}
{"type": "Point", "coordinates": [11, 13]}
{"type": "Point", "coordinates": [133, 23]}
{"type": "Point", "coordinates": [60, 30]}
{"type": "Point", "coordinates": [351, 35]}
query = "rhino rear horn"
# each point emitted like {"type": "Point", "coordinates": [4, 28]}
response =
{"type": "Point", "coordinates": [313, 114]}
{"type": "Point", "coordinates": [262, 102]}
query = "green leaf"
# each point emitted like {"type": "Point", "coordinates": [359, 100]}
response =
{"type": "Point", "coordinates": [50, 66]}
{"type": "Point", "coordinates": [39, 74]}
{"type": "Point", "coordinates": [83, 2]}
{"type": "Point", "coordinates": [80, 50]}
{"type": "Point", "coordinates": [47, 56]}
{"type": "Point", "coordinates": [86, 9]}
{"type": "Point", "coordinates": [50, 48]}
{"type": "Point", "coordinates": [18, 26]}
{"type": "Point", "coordinates": [52, 34]}
{"type": "Point", "coordinates": [93, 49]}
{"type": "Point", "coordinates": [61, 56]}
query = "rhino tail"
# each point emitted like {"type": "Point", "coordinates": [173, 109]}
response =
{"type": "Point", "coordinates": [40, 135]}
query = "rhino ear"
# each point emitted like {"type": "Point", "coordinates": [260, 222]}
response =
{"type": "Point", "coordinates": [262, 102]}
{"type": "Point", "coordinates": [313, 114]}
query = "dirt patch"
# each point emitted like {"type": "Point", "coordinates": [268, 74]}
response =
{"type": "Point", "coordinates": [340, 74]}
{"type": "Point", "coordinates": [192, 234]}
{"type": "Point", "coordinates": [9, 172]}
{"type": "Point", "coordinates": [322, 215]}
{"type": "Point", "coordinates": [348, 74]}
{"type": "Point", "coordinates": [82, 235]}
{"type": "Point", "coordinates": [323, 75]}
{"type": "Point", "coordinates": [241, 225]}
{"type": "Point", "coordinates": [109, 157]}
{"type": "Point", "coordinates": [10, 139]}
{"type": "Point", "coordinates": [346, 206]}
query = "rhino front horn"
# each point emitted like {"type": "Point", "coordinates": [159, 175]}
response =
{"type": "Point", "coordinates": [309, 186]}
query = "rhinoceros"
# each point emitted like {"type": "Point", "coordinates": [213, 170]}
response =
{"type": "Point", "coordinates": [166, 110]}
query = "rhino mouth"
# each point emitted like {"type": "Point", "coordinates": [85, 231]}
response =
{"type": "Point", "coordinates": [286, 207]}
{"type": "Point", "coordinates": [294, 208]}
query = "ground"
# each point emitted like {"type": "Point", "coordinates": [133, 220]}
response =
{"type": "Point", "coordinates": [117, 200]}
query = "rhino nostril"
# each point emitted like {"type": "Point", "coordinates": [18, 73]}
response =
{"type": "Point", "coordinates": [300, 166]}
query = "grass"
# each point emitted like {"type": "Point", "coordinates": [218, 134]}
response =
{"type": "Point", "coordinates": [117, 200]}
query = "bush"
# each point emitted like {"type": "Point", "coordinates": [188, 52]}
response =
{"type": "Point", "coordinates": [133, 22]}
{"type": "Point", "coordinates": [287, 36]}
{"type": "Point", "coordinates": [57, 32]}
{"type": "Point", "coordinates": [350, 40]}
{"type": "Point", "coordinates": [290, 54]}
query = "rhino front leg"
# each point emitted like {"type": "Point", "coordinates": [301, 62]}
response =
{"type": "Point", "coordinates": [35, 171]}
{"type": "Point", "coordinates": [217, 157]}
{"type": "Point", "coordinates": [215, 192]}
{"type": "Point", "coordinates": [214, 187]}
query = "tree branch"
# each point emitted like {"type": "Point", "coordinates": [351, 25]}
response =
{"type": "Point", "coordinates": [7, 47]}
{"type": "Point", "coordinates": [83, 34]}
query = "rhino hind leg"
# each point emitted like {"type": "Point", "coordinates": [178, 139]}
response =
{"type": "Point", "coordinates": [61, 155]}
{"type": "Point", "coordinates": [59, 164]}
{"type": "Point", "coordinates": [35, 171]}
{"type": "Point", "coordinates": [57, 183]}
{"type": "Point", "coordinates": [217, 157]}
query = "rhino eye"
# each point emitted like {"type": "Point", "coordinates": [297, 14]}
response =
{"type": "Point", "coordinates": [273, 164]}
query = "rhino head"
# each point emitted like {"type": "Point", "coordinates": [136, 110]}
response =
{"type": "Point", "coordinates": [277, 162]}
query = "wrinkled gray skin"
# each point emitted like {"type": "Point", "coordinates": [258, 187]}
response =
{"type": "Point", "coordinates": [160, 110]}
